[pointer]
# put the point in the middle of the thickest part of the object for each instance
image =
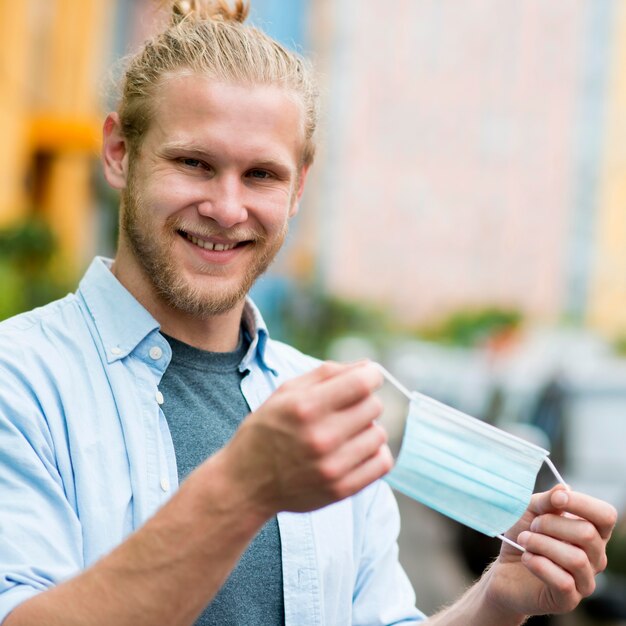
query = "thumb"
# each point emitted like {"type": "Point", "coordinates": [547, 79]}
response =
{"type": "Point", "coordinates": [553, 501]}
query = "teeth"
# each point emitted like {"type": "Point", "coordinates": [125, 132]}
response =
{"type": "Point", "coordinates": [207, 245]}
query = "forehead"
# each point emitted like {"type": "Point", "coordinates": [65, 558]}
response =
{"type": "Point", "coordinates": [193, 109]}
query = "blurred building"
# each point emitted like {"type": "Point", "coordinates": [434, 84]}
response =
{"type": "Point", "coordinates": [471, 154]}
{"type": "Point", "coordinates": [474, 156]}
{"type": "Point", "coordinates": [51, 58]}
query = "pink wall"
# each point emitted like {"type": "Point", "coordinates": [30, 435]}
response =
{"type": "Point", "coordinates": [447, 174]}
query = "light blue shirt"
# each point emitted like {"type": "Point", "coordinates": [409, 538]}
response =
{"type": "Point", "coordinates": [86, 458]}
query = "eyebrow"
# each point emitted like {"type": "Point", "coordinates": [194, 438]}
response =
{"type": "Point", "coordinates": [183, 145]}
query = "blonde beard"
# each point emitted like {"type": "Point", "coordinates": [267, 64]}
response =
{"type": "Point", "coordinates": [164, 274]}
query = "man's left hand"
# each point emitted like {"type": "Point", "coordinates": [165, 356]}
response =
{"type": "Point", "coordinates": [565, 535]}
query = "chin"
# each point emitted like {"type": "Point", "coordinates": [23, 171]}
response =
{"type": "Point", "coordinates": [191, 299]}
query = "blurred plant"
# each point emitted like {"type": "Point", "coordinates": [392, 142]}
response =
{"type": "Point", "coordinates": [473, 327]}
{"type": "Point", "coordinates": [312, 320]}
{"type": "Point", "coordinates": [619, 345]}
{"type": "Point", "coordinates": [26, 275]}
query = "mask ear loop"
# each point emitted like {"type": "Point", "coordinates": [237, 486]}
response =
{"type": "Point", "coordinates": [398, 385]}
{"type": "Point", "coordinates": [511, 543]}
{"type": "Point", "coordinates": [395, 382]}
{"type": "Point", "coordinates": [557, 475]}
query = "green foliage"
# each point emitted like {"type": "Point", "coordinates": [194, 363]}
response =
{"type": "Point", "coordinates": [473, 327]}
{"type": "Point", "coordinates": [619, 345]}
{"type": "Point", "coordinates": [26, 277]}
{"type": "Point", "coordinates": [311, 320]}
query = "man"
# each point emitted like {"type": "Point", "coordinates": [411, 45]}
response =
{"type": "Point", "coordinates": [146, 375]}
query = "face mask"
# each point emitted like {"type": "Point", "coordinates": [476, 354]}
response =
{"type": "Point", "coordinates": [468, 470]}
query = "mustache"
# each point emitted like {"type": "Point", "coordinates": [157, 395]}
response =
{"type": "Point", "coordinates": [208, 230]}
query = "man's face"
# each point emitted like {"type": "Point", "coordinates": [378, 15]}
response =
{"type": "Point", "coordinates": [210, 192]}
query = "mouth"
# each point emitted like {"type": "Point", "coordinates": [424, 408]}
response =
{"type": "Point", "coordinates": [206, 244]}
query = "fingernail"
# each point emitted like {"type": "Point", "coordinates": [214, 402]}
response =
{"type": "Point", "coordinates": [534, 526]}
{"type": "Point", "coordinates": [523, 538]}
{"type": "Point", "coordinates": [560, 498]}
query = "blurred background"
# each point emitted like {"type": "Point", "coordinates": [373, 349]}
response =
{"type": "Point", "coordinates": [465, 222]}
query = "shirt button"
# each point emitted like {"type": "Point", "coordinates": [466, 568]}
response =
{"type": "Point", "coordinates": [165, 484]}
{"type": "Point", "coordinates": [155, 353]}
{"type": "Point", "coordinates": [159, 397]}
{"type": "Point", "coordinates": [116, 351]}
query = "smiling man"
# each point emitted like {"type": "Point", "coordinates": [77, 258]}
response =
{"type": "Point", "coordinates": [207, 202]}
{"type": "Point", "coordinates": [159, 371]}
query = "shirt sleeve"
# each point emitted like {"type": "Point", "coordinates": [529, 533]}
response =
{"type": "Point", "coordinates": [40, 533]}
{"type": "Point", "coordinates": [383, 594]}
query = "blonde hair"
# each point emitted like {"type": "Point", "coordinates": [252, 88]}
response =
{"type": "Point", "coordinates": [208, 37]}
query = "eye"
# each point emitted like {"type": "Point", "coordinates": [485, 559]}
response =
{"type": "Point", "coordinates": [260, 174]}
{"type": "Point", "coordinates": [189, 162]}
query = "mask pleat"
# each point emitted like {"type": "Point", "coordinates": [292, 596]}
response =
{"type": "Point", "coordinates": [468, 470]}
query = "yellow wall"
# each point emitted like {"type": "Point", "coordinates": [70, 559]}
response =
{"type": "Point", "coordinates": [14, 62]}
{"type": "Point", "coordinates": [54, 51]}
{"type": "Point", "coordinates": [607, 294]}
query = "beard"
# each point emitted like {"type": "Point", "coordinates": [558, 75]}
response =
{"type": "Point", "coordinates": [153, 250]}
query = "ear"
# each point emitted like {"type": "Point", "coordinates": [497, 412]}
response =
{"type": "Point", "coordinates": [114, 152]}
{"type": "Point", "coordinates": [296, 201]}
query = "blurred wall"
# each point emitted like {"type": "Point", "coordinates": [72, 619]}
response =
{"type": "Point", "coordinates": [14, 63]}
{"type": "Point", "coordinates": [607, 299]}
{"type": "Point", "coordinates": [471, 153]}
{"type": "Point", "coordinates": [51, 58]}
{"type": "Point", "coordinates": [473, 157]}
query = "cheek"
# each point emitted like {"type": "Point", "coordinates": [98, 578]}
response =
{"type": "Point", "coordinates": [274, 221]}
{"type": "Point", "coordinates": [272, 210]}
{"type": "Point", "coordinates": [167, 198]}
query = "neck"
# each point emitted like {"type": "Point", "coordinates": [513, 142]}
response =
{"type": "Point", "coordinates": [217, 333]}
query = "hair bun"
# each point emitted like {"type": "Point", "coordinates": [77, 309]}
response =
{"type": "Point", "coordinates": [219, 10]}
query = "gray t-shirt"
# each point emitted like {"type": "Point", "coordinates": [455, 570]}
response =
{"type": "Point", "coordinates": [203, 407]}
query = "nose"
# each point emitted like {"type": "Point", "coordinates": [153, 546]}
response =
{"type": "Point", "coordinates": [223, 202]}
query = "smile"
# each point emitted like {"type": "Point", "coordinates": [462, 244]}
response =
{"type": "Point", "coordinates": [207, 245]}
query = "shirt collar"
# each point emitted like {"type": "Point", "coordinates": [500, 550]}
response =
{"type": "Point", "coordinates": [254, 325]}
{"type": "Point", "coordinates": [123, 323]}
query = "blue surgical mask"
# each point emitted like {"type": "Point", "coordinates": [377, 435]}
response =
{"type": "Point", "coordinates": [468, 470]}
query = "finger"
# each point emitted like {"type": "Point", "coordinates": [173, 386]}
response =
{"type": "Point", "coordinates": [569, 558]}
{"type": "Point", "coordinates": [347, 423]}
{"type": "Point", "coordinates": [327, 434]}
{"type": "Point", "coordinates": [326, 370]}
{"type": "Point", "coordinates": [353, 452]}
{"type": "Point", "coordinates": [561, 587]}
{"type": "Point", "coordinates": [367, 472]}
{"type": "Point", "coordinates": [601, 514]}
{"type": "Point", "coordinates": [323, 372]}
{"type": "Point", "coordinates": [548, 501]}
{"type": "Point", "coordinates": [576, 531]}
{"type": "Point", "coordinates": [348, 387]}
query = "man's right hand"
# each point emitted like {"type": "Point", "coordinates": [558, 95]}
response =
{"type": "Point", "coordinates": [313, 442]}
